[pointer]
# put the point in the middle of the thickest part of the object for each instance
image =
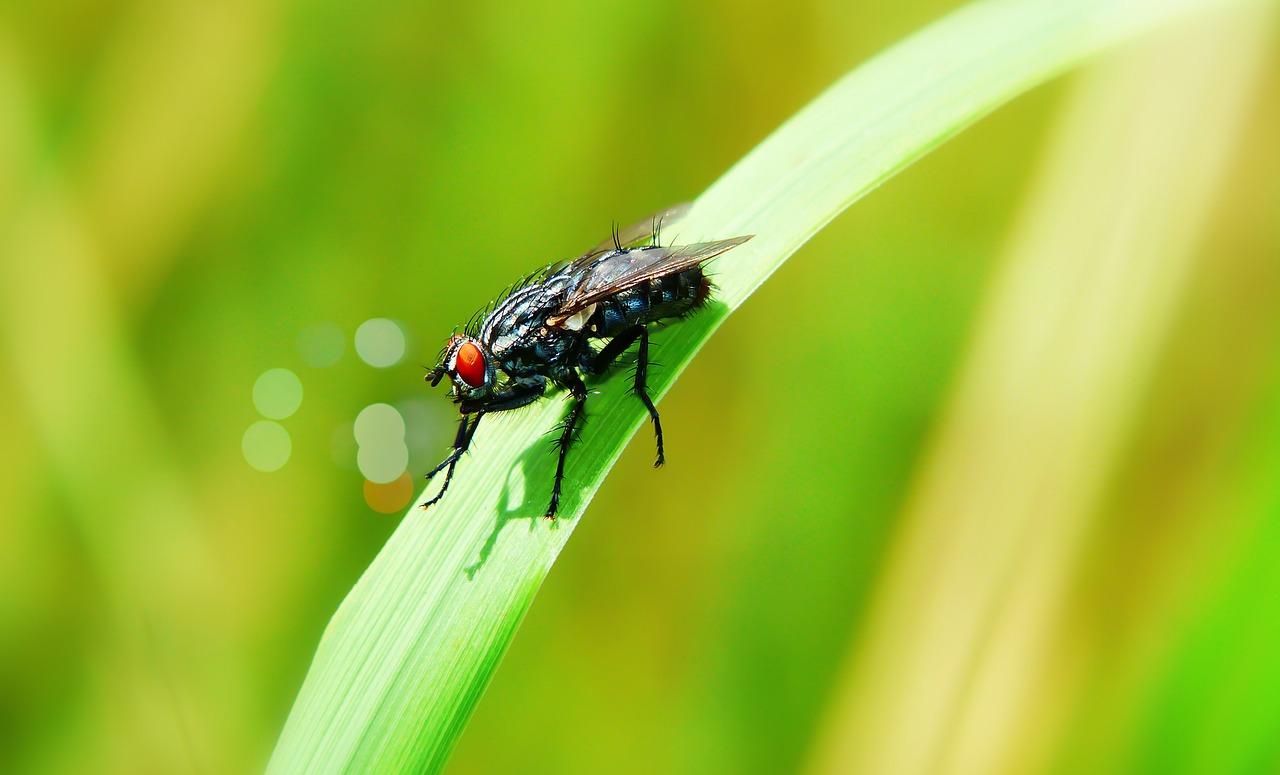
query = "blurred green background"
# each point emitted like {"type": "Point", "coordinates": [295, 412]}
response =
{"type": "Point", "coordinates": [192, 194]}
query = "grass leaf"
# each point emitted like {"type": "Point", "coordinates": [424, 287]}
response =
{"type": "Point", "coordinates": [414, 644]}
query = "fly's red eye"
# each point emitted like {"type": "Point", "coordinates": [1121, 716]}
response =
{"type": "Point", "coordinates": [470, 364]}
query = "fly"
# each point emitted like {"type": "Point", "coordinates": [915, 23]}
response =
{"type": "Point", "coordinates": [543, 333]}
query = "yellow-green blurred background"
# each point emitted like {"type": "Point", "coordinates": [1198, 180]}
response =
{"type": "Point", "coordinates": [190, 191]}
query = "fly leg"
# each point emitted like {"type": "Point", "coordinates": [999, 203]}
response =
{"type": "Point", "coordinates": [642, 373]}
{"type": "Point", "coordinates": [521, 394]}
{"type": "Point", "coordinates": [610, 353]}
{"type": "Point", "coordinates": [579, 393]}
{"type": "Point", "coordinates": [460, 444]}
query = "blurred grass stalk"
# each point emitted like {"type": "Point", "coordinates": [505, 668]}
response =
{"type": "Point", "coordinates": [57, 320]}
{"type": "Point", "coordinates": [65, 335]}
{"type": "Point", "coordinates": [964, 665]}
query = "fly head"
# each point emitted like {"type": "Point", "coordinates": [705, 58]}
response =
{"type": "Point", "coordinates": [470, 368]}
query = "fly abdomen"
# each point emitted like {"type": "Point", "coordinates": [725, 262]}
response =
{"type": "Point", "coordinates": [669, 296]}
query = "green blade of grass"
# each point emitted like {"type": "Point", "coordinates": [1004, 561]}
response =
{"type": "Point", "coordinates": [411, 649]}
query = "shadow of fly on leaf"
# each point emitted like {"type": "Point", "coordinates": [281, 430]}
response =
{"type": "Point", "coordinates": [570, 322]}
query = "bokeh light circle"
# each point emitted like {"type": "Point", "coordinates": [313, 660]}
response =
{"type": "Point", "coordinates": [321, 345]}
{"type": "Point", "coordinates": [342, 446]}
{"type": "Point", "coordinates": [391, 497]}
{"type": "Point", "coordinates": [424, 426]}
{"type": "Point", "coordinates": [266, 446]}
{"type": "Point", "coordinates": [382, 463]}
{"type": "Point", "coordinates": [378, 424]}
{"type": "Point", "coordinates": [380, 342]}
{"type": "Point", "coordinates": [277, 393]}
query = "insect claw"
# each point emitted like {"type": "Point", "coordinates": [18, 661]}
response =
{"type": "Point", "coordinates": [435, 499]}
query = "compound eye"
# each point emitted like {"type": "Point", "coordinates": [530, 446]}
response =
{"type": "Point", "coordinates": [469, 365]}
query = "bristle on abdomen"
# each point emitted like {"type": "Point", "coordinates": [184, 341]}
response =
{"type": "Point", "coordinates": [704, 290]}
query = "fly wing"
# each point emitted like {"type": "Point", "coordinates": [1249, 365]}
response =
{"type": "Point", "coordinates": [627, 268]}
{"type": "Point", "coordinates": [635, 234]}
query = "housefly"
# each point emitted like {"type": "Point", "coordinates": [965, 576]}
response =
{"type": "Point", "coordinates": [541, 334]}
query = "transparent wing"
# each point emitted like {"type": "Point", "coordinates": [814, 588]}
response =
{"type": "Point", "coordinates": [638, 233]}
{"type": "Point", "coordinates": [622, 270]}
